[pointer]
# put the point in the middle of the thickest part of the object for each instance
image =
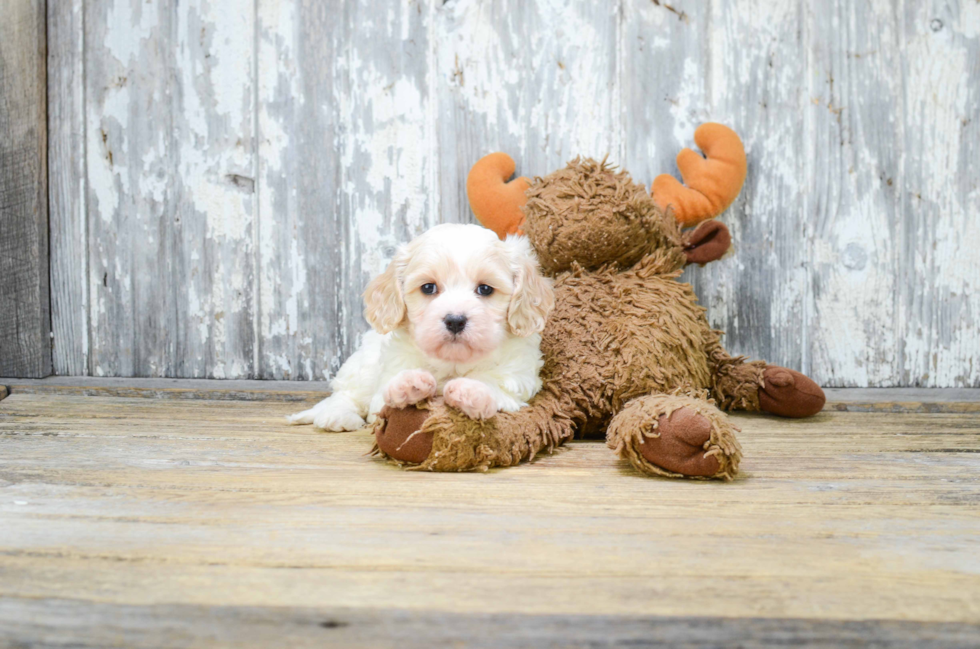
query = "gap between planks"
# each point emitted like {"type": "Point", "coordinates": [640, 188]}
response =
{"type": "Point", "coordinates": [23, 622]}
{"type": "Point", "coordinates": [897, 400]}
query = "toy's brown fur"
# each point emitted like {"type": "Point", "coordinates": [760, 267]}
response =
{"type": "Point", "coordinates": [625, 347]}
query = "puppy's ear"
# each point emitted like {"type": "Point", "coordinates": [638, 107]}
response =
{"type": "Point", "coordinates": [533, 298]}
{"type": "Point", "coordinates": [384, 305]}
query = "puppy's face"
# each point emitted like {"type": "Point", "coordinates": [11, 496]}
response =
{"type": "Point", "coordinates": [460, 292]}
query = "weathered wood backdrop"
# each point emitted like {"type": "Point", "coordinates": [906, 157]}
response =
{"type": "Point", "coordinates": [226, 175]}
{"type": "Point", "coordinates": [25, 343]}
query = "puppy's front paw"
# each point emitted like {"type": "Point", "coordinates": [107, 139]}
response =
{"type": "Point", "coordinates": [409, 387]}
{"type": "Point", "coordinates": [338, 419]}
{"type": "Point", "coordinates": [305, 417]}
{"type": "Point", "coordinates": [335, 413]}
{"type": "Point", "coordinates": [472, 397]}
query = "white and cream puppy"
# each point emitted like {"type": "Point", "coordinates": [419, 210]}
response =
{"type": "Point", "coordinates": [457, 313]}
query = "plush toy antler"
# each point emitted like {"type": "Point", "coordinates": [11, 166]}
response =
{"type": "Point", "coordinates": [496, 202]}
{"type": "Point", "coordinates": [711, 184]}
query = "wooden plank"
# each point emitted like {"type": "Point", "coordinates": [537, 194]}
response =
{"type": "Point", "coordinates": [922, 395]}
{"type": "Point", "coordinates": [132, 193]}
{"type": "Point", "coordinates": [64, 621]}
{"type": "Point", "coordinates": [903, 399]}
{"type": "Point", "coordinates": [25, 319]}
{"type": "Point", "coordinates": [225, 390]}
{"type": "Point", "coordinates": [537, 80]}
{"type": "Point", "coordinates": [912, 400]}
{"type": "Point", "coordinates": [66, 183]}
{"type": "Point", "coordinates": [213, 119]}
{"type": "Point", "coordinates": [350, 79]}
{"type": "Point", "coordinates": [939, 330]}
{"type": "Point", "coordinates": [665, 58]}
{"type": "Point", "coordinates": [853, 210]}
{"type": "Point", "coordinates": [298, 89]}
{"type": "Point", "coordinates": [142, 502]}
{"type": "Point", "coordinates": [757, 295]}
{"type": "Point", "coordinates": [170, 168]}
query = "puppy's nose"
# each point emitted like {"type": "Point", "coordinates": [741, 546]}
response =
{"type": "Point", "coordinates": [455, 323]}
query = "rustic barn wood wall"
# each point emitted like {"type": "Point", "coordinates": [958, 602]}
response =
{"type": "Point", "coordinates": [226, 176]}
{"type": "Point", "coordinates": [25, 319]}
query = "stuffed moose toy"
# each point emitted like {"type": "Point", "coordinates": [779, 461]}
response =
{"type": "Point", "coordinates": [627, 350]}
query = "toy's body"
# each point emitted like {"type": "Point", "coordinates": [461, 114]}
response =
{"type": "Point", "coordinates": [628, 350]}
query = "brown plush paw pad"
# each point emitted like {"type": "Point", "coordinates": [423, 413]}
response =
{"type": "Point", "coordinates": [395, 436]}
{"type": "Point", "coordinates": [789, 394]}
{"type": "Point", "coordinates": [680, 447]}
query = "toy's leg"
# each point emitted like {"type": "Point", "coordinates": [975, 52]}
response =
{"type": "Point", "coordinates": [738, 384]}
{"type": "Point", "coordinates": [439, 438]}
{"type": "Point", "coordinates": [675, 436]}
{"type": "Point", "coordinates": [788, 393]}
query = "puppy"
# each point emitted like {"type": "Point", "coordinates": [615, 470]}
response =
{"type": "Point", "coordinates": [458, 313]}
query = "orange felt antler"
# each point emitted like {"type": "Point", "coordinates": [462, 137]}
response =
{"type": "Point", "coordinates": [711, 184]}
{"type": "Point", "coordinates": [496, 202]}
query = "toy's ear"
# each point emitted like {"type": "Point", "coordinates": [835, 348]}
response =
{"type": "Point", "coordinates": [496, 202]}
{"type": "Point", "coordinates": [712, 183]}
{"type": "Point", "coordinates": [708, 242]}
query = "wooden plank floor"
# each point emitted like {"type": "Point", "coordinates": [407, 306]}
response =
{"type": "Point", "coordinates": [210, 522]}
{"type": "Point", "coordinates": [840, 399]}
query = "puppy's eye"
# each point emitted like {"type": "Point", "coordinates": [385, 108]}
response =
{"type": "Point", "coordinates": [484, 290]}
{"type": "Point", "coordinates": [429, 289]}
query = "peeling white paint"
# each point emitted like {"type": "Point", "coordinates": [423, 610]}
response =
{"type": "Point", "coordinates": [942, 98]}
{"type": "Point", "coordinates": [251, 166]}
{"type": "Point", "coordinates": [127, 21]}
{"type": "Point", "coordinates": [278, 84]}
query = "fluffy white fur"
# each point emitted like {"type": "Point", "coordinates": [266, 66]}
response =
{"type": "Point", "coordinates": [491, 365]}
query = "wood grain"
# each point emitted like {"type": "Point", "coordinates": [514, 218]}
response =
{"type": "Point", "coordinates": [25, 317]}
{"type": "Point", "coordinates": [25, 622]}
{"type": "Point", "coordinates": [897, 400]}
{"type": "Point", "coordinates": [757, 295]}
{"type": "Point", "coordinates": [940, 314]}
{"type": "Point", "coordinates": [853, 211]}
{"type": "Point", "coordinates": [67, 188]}
{"type": "Point", "coordinates": [535, 79]}
{"type": "Point", "coordinates": [144, 502]}
{"type": "Point", "coordinates": [224, 390]}
{"type": "Point", "coordinates": [347, 169]}
{"type": "Point", "coordinates": [299, 238]}
{"type": "Point", "coordinates": [903, 400]}
{"type": "Point", "coordinates": [268, 158]}
{"type": "Point", "coordinates": [170, 169]}
{"type": "Point", "coordinates": [213, 140]}
{"type": "Point", "coordinates": [131, 188]}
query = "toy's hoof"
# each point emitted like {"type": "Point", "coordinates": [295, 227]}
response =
{"type": "Point", "coordinates": [681, 445]}
{"type": "Point", "coordinates": [398, 435]}
{"type": "Point", "coordinates": [788, 393]}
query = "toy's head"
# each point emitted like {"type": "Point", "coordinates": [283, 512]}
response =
{"type": "Point", "coordinates": [591, 214]}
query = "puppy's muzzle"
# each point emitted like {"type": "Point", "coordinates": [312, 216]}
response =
{"type": "Point", "coordinates": [455, 323]}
